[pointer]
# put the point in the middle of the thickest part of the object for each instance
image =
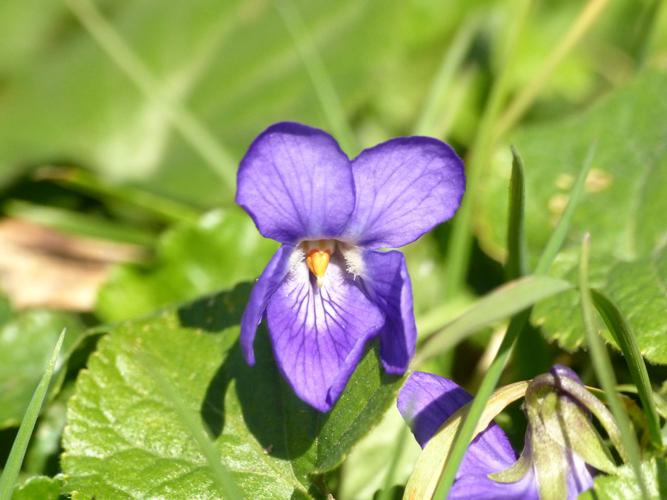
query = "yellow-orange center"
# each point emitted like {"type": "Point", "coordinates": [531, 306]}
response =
{"type": "Point", "coordinates": [318, 261]}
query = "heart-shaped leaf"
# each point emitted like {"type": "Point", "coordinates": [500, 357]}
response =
{"type": "Point", "coordinates": [623, 208]}
{"type": "Point", "coordinates": [124, 437]}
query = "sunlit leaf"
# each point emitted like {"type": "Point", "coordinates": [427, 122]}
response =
{"type": "Point", "coordinates": [623, 208]}
{"type": "Point", "coordinates": [124, 436]}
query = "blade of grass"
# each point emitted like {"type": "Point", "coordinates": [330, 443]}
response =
{"type": "Point", "coordinates": [324, 88]}
{"type": "Point", "coordinates": [458, 251]}
{"type": "Point", "coordinates": [515, 267]}
{"type": "Point", "coordinates": [191, 129]}
{"type": "Point", "coordinates": [586, 19]}
{"type": "Point", "coordinates": [516, 242]}
{"type": "Point", "coordinates": [165, 208]}
{"type": "Point", "coordinates": [442, 83]}
{"type": "Point", "coordinates": [20, 445]}
{"type": "Point", "coordinates": [620, 329]}
{"type": "Point", "coordinates": [518, 322]}
{"type": "Point", "coordinates": [220, 475]}
{"type": "Point", "coordinates": [557, 238]}
{"type": "Point", "coordinates": [77, 223]}
{"type": "Point", "coordinates": [604, 370]}
{"type": "Point", "coordinates": [503, 302]}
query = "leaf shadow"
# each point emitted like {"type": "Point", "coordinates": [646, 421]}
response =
{"type": "Point", "coordinates": [282, 424]}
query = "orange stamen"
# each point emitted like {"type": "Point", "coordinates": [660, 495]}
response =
{"type": "Point", "coordinates": [318, 261]}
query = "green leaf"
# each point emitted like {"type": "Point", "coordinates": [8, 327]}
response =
{"type": "Point", "coordinates": [39, 488]}
{"type": "Point", "coordinates": [124, 436]}
{"type": "Point", "coordinates": [624, 485]}
{"type": "Point", "coordinates": [623, 208]}
{"type": "Point", "coordinates": [26, 342]}
{"type": "Point", "coordinates": [222, 249]}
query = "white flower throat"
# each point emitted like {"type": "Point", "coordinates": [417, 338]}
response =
{"type": "Point", "coordinates": [319, 253]}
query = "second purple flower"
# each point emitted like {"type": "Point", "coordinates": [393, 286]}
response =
{"type": "Point", "coordinates": [328, 290]}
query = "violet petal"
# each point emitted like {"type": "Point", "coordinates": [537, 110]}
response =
{"type": "Point", "coordinates": [389, 287]}
{"type": "Point", "coordinates": [404, 187]}
{"type": "Point", "coordinates": [426, 401]}
{"type": "Point", "coordinates": [269, 280]}
{"type": "Point", "coordinates": [296, 183]}
{"type": "Point", "coordinates": [319, 334]}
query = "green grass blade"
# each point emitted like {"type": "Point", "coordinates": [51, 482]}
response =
{"type": "Point", "coordinates": [324, 88]}
{"type": "Point", "coordinates": [458, 251]}
{"type": "Point", "coordinates": [194, 132]}
{"type": "Point", "coordinates": [444, 79]}
{"type": "Point", "coordinates": [620, 329]}
{"type": "Point", "coordinates": [558, 236]}
{"type": "Point", "coordinates": [17, 453]}
{"type": "Point", "coordinates": [77, 223]}
{"type": "Point", "coordinates": [502, 303]}
{"type": "Point", "coordinates": [465, 433]}
{"type": "Point", "coordinates": [605, 372]}
{"type": "Point", "coordinates": [516, 241]}
{"type": "Point", "coordinates": [222, 477]}
{"type": "Point", "coordinates": [514, 268]}
{"type": "Point", "coordinates": [518, 322]}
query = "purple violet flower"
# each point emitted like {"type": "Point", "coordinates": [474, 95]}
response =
{"type": "Point", "coordinates": [490, 468]}
{"type": "Point", "coordinates": [328, 290]}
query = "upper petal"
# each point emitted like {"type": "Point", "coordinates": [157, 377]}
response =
{"type": "Point", "coordinates": [296, 183]}
{"type": "Point", "coordinates": [404, 187]}
{"type": "Point", "coordinates": [386, 275]}
{"type": "Point", "coordinates": [269, 280]}
{"type": "Point", "coordinates": [319, 334]}
{"type": "Point", "coordinates": [426, 401]}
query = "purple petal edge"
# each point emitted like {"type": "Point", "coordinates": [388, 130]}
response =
{"type": "Point", "coordinates": [388, 283]}
{"type": "Point", "coordinates": [266, 284]}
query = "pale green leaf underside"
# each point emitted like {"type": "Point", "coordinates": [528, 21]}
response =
{"type": "Point", "coordinates": [623, 208]}
{"type": "Point", "coordinates": [123, 438]}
